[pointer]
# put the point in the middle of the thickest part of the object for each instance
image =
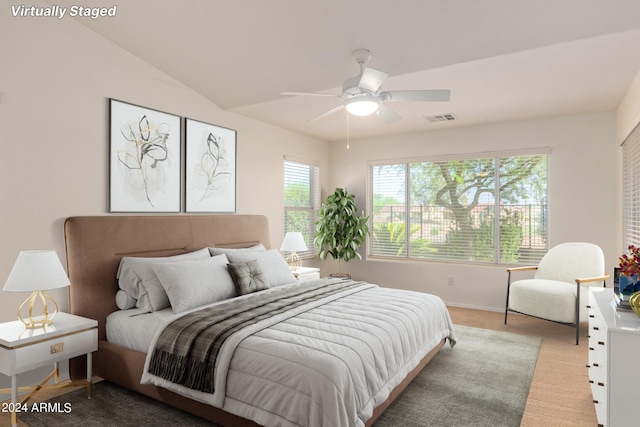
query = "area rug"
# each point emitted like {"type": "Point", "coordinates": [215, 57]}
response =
{"type": "Point", "coordinates": [483, 381]}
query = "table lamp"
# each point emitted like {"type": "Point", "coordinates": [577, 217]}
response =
{"type": "Point", "coordinates": [293, 242]}
{"type": "Point", "coordinates": [36, 272]}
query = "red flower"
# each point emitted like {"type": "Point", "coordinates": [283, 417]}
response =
{"type": "Point", "coordinates": [630, 264]}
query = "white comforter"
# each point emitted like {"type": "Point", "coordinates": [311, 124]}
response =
{"type": "Point", "coordinates": [325, 364]}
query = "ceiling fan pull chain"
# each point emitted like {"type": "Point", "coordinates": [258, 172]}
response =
{"type": "Point", "coordinates": [348, 131]}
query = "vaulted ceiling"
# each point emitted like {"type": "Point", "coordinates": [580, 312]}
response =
{"type": "Point", "coordinates": [502, 59]}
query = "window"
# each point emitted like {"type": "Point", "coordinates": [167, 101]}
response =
{"type": "Point", "coordinates": [301, 200]}
{"type": "Point", "coordinates": [486, 208]}
{"type": "Point", "coordinates": [631, 189]}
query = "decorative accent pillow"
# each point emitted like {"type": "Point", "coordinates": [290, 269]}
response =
{"type": "Point", "coordinates": [275, 268]}
{"type": "Point", "coordinates": [247, 277]}
{"type": "Point", "coordinates": [136, 277]}
{"type": "Point", "coordinates": [219, 251]}
{"type": "Point", "coordinates": [194, 283]}
{"type": "Point", "coordinates": [124, 301]}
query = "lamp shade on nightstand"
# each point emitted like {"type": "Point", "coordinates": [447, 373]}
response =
{"type": "Point", "coordinates": [293, 242]}
{"type": "Point", "coordinates": [37, 271]}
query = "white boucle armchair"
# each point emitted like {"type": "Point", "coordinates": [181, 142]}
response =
{"type": "Point", "coordinates": [558, 291]}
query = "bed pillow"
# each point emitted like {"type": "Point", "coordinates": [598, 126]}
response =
{"type": "Point", "coordinates": [247, 277]}
{"type": "Point", "coordinates": [194, 283]}
{"type": "Point", "coordinates": [274, 267]}
{"type": "Point", "coordinates": [137, 278]}
{"type": "Point", "coordinates": [219, 251]}
{"type": "Point", "coordinates": [124, 301]}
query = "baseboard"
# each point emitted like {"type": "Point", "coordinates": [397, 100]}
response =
{"type": "Point", "coordinates": [476, 307]}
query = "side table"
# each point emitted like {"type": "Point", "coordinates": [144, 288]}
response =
{"type": "Point", "coordinates": [307, 273]}
{"type": "Point", "coordinates": [23, 350]}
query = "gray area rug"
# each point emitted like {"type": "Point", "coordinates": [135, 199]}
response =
{"type": "Point", "coordinates": [483, 381]}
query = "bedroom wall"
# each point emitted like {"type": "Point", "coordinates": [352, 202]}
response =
{"type": "Point", "coordinates": [582, 195]}
{"type": "Point", "coordinates": [628, 112]}
{"type": "Point", "coordinates": [55, 79]}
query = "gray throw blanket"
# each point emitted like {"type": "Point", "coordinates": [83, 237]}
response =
{"type": "Point", "coordinates": [186, 350]}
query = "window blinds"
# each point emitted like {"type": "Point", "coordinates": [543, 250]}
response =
{"type": "Point", "coordinates": [484, 209]}
{"type": "Point", "coordinates": [631, 188]}
{"type": "Point", "coordinates": [301, 200]}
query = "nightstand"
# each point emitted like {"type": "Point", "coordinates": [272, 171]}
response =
{"type": "Point", "coordinates": [307, 273]}
{"type": "Point", "coordinates": [23, 350]}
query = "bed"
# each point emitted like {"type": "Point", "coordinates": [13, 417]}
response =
{"type": "Point", "coordinates": [95, 247]}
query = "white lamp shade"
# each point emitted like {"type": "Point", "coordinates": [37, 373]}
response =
{"type": "Point", "coordinates": [36, 271]}
{"type": "Point", "coordinates": [361, 105]}
{"type": "Point", "coordinates": [293, 242]}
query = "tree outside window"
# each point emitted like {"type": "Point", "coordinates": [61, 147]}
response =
{"type": "Point", "coordinates": [485, 209]}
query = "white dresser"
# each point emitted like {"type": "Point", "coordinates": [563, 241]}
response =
{"type": "Point", "coordinates": [614, 356]}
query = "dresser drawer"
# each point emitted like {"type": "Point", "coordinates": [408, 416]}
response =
{"type": "Point", "coordinates": [45, 352]}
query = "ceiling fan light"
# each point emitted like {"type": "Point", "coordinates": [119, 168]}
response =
{"type": "Point", "coordinates": [361, 106]}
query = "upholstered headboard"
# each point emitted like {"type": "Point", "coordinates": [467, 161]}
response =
{"type": "Point", "coordinates": [95, 245]}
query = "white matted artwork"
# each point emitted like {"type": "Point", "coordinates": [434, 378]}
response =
{"type": "Point", "coordinates": [210, 168]}
{"type": "Point", "coordinates": [145, 163]}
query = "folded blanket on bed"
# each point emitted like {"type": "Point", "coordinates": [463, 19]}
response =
{"type": "Point", "coordinates": [186, 351]}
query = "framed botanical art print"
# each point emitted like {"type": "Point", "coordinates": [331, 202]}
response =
{"type": "Point", "coordinates": [210, 168]}
{"type": "Point", "coordinates": [145, 162]}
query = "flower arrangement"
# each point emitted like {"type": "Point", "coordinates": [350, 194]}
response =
{"type": "Point", "coordinates": [630, 263]}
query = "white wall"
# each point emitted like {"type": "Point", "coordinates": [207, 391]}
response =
{"type": "Point", "coordinates": [582, 195]}
{"type": "Point", "coordinates": [628, 112]}
{"type": "Point", "coordinates": [55, 79]}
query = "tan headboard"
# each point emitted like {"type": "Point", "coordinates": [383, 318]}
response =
{"type": "Point", "coordinates": [95, 245]}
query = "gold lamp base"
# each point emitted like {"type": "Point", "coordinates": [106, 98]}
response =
{"type": "Point", "coordinates": [44, 319]}
{"type": "Point", "coordinates": [294, 261]}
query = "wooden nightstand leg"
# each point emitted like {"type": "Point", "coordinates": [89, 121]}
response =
{"type": "Point", "coordinates": [14, 400]}
{"type": "Point", "coordinates": [89, 376]}
{"type": "Point", "coordinates": [56, 375]}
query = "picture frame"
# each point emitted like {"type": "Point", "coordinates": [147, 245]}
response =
{"type": "Point", "coordinates": [210, 167]}
{"type": "Point", "coordinates": [144, 159]}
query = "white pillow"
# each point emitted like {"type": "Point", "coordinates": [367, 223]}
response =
{"type": "Point", "coordinates": [124, 301]}
{"type": "Point", "coordinates": [136, 278]}
{"type": "Point", "coordinates": [274, 267]}
{"type": "Point", "coordinates": [219, 251]}
{"type": "Point", "coordinates": [191, 284]}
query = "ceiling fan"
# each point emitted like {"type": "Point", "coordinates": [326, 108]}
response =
{"type": "Point", "coordinates": [362, 95]}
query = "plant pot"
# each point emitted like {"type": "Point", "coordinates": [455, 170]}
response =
{"type": "Point", "coordinates": [628, 285]}
{"type": "Point", "coordinates": [343, 276]}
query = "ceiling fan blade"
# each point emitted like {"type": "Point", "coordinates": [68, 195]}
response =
{"type": "Point", "coordinates": [372, 79]}
{"type": "Point", "coordinates": [387, 114]}
{"type": "Point", "coordinates": [327, 113]}
{"type": "Point", "coordinates": [309, 94]}
{"type": "Point", "coordinates": [439, 95]}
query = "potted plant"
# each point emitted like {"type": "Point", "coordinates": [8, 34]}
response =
{"type": "Point", "coordinates": [340, 231]}
{"type": "Point", "coordinates": [629, 271]}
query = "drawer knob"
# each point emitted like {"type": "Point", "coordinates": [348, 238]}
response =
{"type": "Point", "coordinates": [600, 342]}
{"type": "Point", "coordinates": [601, 384]}
{"type": "Point", "coordinates": [595, 328]}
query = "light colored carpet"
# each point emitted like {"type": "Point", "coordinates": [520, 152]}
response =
{"type": "Point", "coordinates": [483, 381]}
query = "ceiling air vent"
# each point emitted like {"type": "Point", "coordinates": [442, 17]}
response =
{"type": "Point", "coordinates": [441, 118]}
